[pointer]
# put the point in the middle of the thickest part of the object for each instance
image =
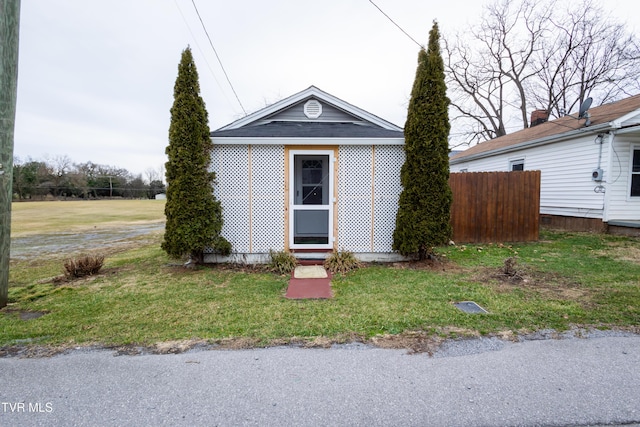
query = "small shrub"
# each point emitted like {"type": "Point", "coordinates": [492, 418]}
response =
{"type": "Point", "coordinates": [342, 262]}
{"type": "Point", "coordinates": [510, 270]}
{"type": "Point", "coordinates": [282, 262]}
{"type": "Point", "coordinates": [87, 265]}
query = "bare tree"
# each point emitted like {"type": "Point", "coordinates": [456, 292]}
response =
{"type": "Point", "coordinates": [152, 174]}
{"type": "Point", "coordinates": [58, 168]}
{"type": "Point", "coordinates": [535, 55]}
{"type": "Point", "coordinates": [590, 55]}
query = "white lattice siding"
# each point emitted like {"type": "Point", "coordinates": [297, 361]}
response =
{"type": "Point", "coordinates": [354, 198]}
{"type": "Point", "coordinates": [388, 162]}
{"type": "Point", "coordinates": [267, 198]}
{"type": "Point", "coordinates": [250, 186]}
{"type": "Point", "coordinates": [369, 187]}
{"type": "Point", "coordinates": [253, 214]}
{"type": "Point", "coordinates": [230, 163]}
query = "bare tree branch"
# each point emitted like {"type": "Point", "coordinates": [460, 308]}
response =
{"type": "Point", "coordinates": [536, 55]}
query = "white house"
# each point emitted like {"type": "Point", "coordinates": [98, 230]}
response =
{"type": "Point", "coordinates": [590, 166]}
{"type": "Point", "coordinates": [308, 174]}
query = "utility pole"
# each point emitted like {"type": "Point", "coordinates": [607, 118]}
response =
{"type": "Point", "coordinates": [110, 184]}
{"type": "Point", "coordinates": [9, 32]}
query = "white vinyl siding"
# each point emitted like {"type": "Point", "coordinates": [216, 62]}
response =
{"type": "Point", "coordinates": [620, 205]}
{"type": "Point", "coordinates": [297, 113]}
{"type": "Point", "coordinates": [635, 173]}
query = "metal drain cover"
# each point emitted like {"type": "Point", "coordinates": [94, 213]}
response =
{"type": "Point", "coordinates": [470, 307]}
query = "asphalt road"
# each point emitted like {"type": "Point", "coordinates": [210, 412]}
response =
{"type": "Point", "coordinates": [486, 382]}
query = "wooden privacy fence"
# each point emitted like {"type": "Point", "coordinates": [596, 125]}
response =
{"type": "Point", "coordinates": [495, 206]}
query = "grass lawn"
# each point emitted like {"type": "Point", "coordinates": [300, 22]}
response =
{"type": "Point", "coordinates": [28, 218]}
{"type": "Point", "coordinates": [142, 298]}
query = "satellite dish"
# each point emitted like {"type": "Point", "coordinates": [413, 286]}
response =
{"type": "Point", "coordinates": [584, 107]}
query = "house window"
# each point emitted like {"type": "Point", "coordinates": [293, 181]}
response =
{"type": "Point", "coordinates": [516, 165]}
{"type": "Point", "coordinates": [635, 173]}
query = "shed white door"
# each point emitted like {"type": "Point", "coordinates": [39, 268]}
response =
{"type": "Point", "coordinates": [311, 199]}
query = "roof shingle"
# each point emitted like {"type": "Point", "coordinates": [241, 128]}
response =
{"type": "Point", "coordinates": [599, 115]}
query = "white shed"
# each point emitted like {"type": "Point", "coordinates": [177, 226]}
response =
{"type": "Point", "coordinates": [308, 174]}
{"type": "Point", "coordinates": [590, 166]}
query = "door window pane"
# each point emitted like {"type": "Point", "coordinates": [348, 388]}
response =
{"type": "Point", "coordinates": [311, 176]}
{"type": "Point", "coordinates": [311, 195]}
{"type": "Point", "coordinates": [311, 179]}
{"type": "Point", "coordinates": [311, 227]}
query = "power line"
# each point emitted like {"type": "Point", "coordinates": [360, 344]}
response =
{"type": "Point", "coordinates": [394, 23]}
{"type": "Point", "coordinates": [218, 57]}
{"type": "Point", "coordinates": [202, 52]}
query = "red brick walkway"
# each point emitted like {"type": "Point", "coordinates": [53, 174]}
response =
{"type": "Point", "coordinates": [309, 288]}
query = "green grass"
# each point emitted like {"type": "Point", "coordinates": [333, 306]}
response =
{"type": "Point", "coordinates": [142, 298]}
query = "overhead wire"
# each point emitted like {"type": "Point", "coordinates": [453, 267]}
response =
{"type": "Point", "coordinates": [394, 23]}
{"type": "Point", "coordinates": [218, 58]}
{"type": "Point", "coordinates": [193, 36]}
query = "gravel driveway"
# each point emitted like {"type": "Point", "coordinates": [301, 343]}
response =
{"type": "Point", "coordinates": [42, 245]}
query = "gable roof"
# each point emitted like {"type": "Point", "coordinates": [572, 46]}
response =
{"type": "Point", "coordinates": [272, 122]}
{"type": "Point", "coordinates": [615, 115]}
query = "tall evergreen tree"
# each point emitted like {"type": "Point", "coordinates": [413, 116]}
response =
{"type": "Point", "coordinates": [194, 216]}
{"type": "Point", "coordinates": [423, 217]}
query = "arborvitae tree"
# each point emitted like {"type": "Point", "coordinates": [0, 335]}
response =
{"type": "Point", "coordinates": [423, 218]}
{"type": "Point", "coordinates": [194, 216]}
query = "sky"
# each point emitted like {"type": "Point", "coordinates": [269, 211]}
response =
{"type": "Point", "coordinates": [95, 78]}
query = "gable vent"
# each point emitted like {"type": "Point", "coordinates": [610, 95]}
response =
{"type": "Point", "coordinates": [312, 109]}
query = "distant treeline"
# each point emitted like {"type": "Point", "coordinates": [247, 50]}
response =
{"type": "Point", "coordinates": [60, 178]}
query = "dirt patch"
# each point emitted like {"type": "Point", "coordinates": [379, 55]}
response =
{"type": "Point", "coordinates": [239, 268]}
{"type": "Point", "coordinates": [415, 342]}
{"type": "Point", "coordinates": [22, 314]}
{"type": "Point", "coordinates": [64, 280]}
{"type": "Point", "coordinates": [174, 347]}
{"type": "Point", "coordinates": [513, 276]}
{"type": "Point", "coordinates": [622, 251]}
{"type": "Point", "coordinates": [421, 341]}
{"type": "Point", "coordinates": [440, 264]}
{"type": "Point", "coordinates": [32, 351]}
